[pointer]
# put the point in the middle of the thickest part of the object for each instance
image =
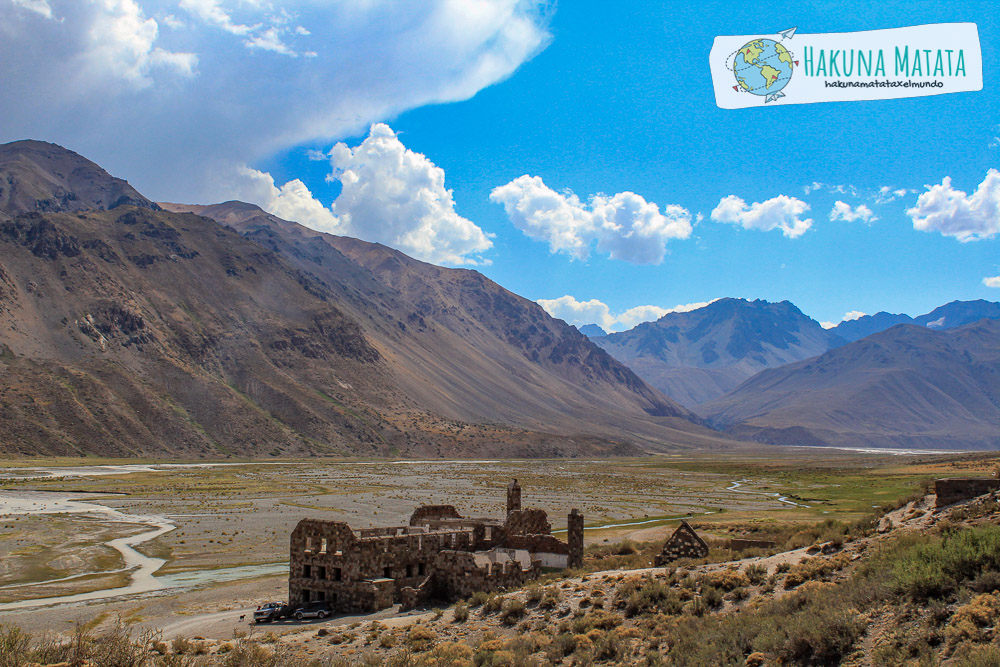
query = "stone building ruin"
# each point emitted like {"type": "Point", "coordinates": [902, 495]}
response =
{"type": "Point", "coordinates": [684, 543]}
{"type": "Point", "coordinates": [439, 555]}
{"type": "Point", "coordinates": [956, 489]}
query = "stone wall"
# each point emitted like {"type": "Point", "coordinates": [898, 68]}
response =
{"type": "Point", "coordinates": [684, 543]}
{"type": "Point", "coordinates": [425, 513]}
{"type": "Point", "coordinates": [956, 489]}
{"type": "Point", "coordinates": [459, 574]}
{"type": "Point", "coordinates": [739, 544]}
{"type": "Point", "coordinates": [529, 521]}
{"type": "Point", "coordinates": [343, 572]}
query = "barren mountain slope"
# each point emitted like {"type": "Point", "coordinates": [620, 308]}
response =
{"type": "Point", "coordinates": [908, 386]}
{"type": "Point", "coordinates": [466, 348]}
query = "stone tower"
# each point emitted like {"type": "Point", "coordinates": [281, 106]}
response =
{"type": "Point", "coordinates": [574, 537]}
{"type": "Point", "coordinates": [513, 496]}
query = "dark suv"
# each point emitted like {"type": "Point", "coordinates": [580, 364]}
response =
{"type": "Point", "coordinates": [271, 611]}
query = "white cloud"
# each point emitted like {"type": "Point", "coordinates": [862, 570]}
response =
{"type": "Point", "coordinates": [843, 189]}
{"type": "Point", "coordinates": [40, 7]}
{"type": "Point", "coordinates": [954, 213]}
{"type": "Point", "coordinates": [211, 11]}
{"type": "Point", "coordinates": [781, 212]}
{"type": "Point", "coordinates": [993, 281]}
{"type": "Point", "coordinates": [886, 194]}
{"type": "Point", "coordinates": [848, 316]}
{"type": "Point", "coordinates": [122, 42]}
{"type": "Point", "coordinates": [625, 226]}
{"type": "Point", "coordinates": [843, 211]}
{"type": "Point", "coordinates": [597, 312]}
{"type": "Point", "coordinates": [389, 194]}
{"type": "Point", "coordinates": [173, 98]}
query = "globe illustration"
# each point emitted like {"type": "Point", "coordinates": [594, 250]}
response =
{"type": "Point", "coordinates": [762, 67]}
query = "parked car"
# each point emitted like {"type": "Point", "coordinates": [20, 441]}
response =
{"type": "Point", "coordinates": [313, 610]}
{"type": "Point", "coordinates": [271, 611]}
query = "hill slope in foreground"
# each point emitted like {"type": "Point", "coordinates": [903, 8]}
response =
{"type": "Point", "coordinates": [908, 386]}
{"type": "Point", "coordinates": [131, 330]}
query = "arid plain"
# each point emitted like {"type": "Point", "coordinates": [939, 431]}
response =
{"type": "Point", "coordinates": [222, 530]}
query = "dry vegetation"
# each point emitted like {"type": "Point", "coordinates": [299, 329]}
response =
{"type": "Point", "coordinates": [927, 592]}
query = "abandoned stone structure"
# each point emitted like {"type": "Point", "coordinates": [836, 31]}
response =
{"type": "Point", "coordinates": [741, 544]}
{"type": "Point", "coordinates": [684, 543]}
{"type": "Point", "coordinates": [439, 555]}
{"type": "Point", "coordinates": [956, 489]}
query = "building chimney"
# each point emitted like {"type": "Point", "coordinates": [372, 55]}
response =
{"type": "Point", "coordinates": [574, 537]}
{"type": "Point", "coordinates": [513, 496]}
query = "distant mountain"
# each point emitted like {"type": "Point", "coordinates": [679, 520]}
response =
{"type": "Point", "coordinates": [592, 331]}
{"type": "Point", "coordinates": [852, 330]}
{"type": "Point", "coordinates": [960, 313]}
{"type": "Point", "coordinates": [908, 386]}
{"type": "Point", "coordinates": [128, 330]}
{"type": "Point", "coordinates": [700, 355]}
{"type": "Point", "coordinates": [948, 316]}
{"type": "Point", "coordinates": [38, 176]}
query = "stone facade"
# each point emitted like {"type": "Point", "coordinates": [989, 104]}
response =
{"type": "Point", "coordinates": [439, 555]}
{"type": "Point", "coordinates": [684, 543]}
{"type": "Point", "coordinates": [956, 489]}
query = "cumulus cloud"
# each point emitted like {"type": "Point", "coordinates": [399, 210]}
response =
{"type": "Point", "coordinates": [848, 316]}
{"type": "Point", "coordinates": [625, 226]}
{"type": "Point", "coordinates": [594, 311]}
{"type": "Point", "coordinates": [122, 41]}
{"type": "Point", "coordinates": [781, 212]}
{"type": "Point", "coordinates": [993, 281]}
{"type": "Point", "coordinates": [217, 87]}
{"type": "Point", "coordinates": [954, 213]}
{"type": "Point", "coordinates": [389, 194]}
{"type": "Point", "coordinates": [843, 211]}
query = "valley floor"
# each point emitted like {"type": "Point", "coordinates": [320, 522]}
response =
{"type": "Point", "coordinates": [228, 524]}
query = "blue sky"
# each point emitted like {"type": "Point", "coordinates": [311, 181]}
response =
{"type": "Point", "coordinates": [607, 99]}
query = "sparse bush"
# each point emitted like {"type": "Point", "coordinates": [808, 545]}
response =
{"type": "Point", "coordinates": [513, 611]}
{"type": "Point", "coordinates": [420, 638]}
{"type": "Point", "coordinates": [645, 595]}
{"type": "Point", "coordinates": [756, 573]}
{"type": "Point", "coordinates": [461, 612]}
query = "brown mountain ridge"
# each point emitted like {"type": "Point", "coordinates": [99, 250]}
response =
{"type": "Point", "coordinates": [131, 330]}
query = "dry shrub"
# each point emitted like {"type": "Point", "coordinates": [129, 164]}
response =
{"type": "Point", "coordinates": [813, 568]}
{"type": "Point", "coordinates": [727, 579]}
{"type": "Point", "coordinates": [420, 638]}
{"type": "Point", "coordinates": [969, 622]}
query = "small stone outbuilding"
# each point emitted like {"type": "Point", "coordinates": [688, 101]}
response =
{"type": "Point", "coordinates": [684, 543]}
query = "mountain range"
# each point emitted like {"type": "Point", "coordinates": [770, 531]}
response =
{"type": "Point", "coordinates": [908, 386]}
{"type": "Point", "coordinates": [135, 328]}
{"type": "Point", "coordinates": [948, 316]}
{"type": "Point", "coordinates": [702, 354]}
{"type": "Point", "coordinates": [131, 328]}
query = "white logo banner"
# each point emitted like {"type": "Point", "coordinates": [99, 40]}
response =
{"type": "Point", "coordinates": [790, 67]}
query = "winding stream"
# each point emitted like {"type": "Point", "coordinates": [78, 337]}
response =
{"type": "Point", "coordinates": [142, 568]}
{"type": "Point", "coordinates": [735, 487]}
